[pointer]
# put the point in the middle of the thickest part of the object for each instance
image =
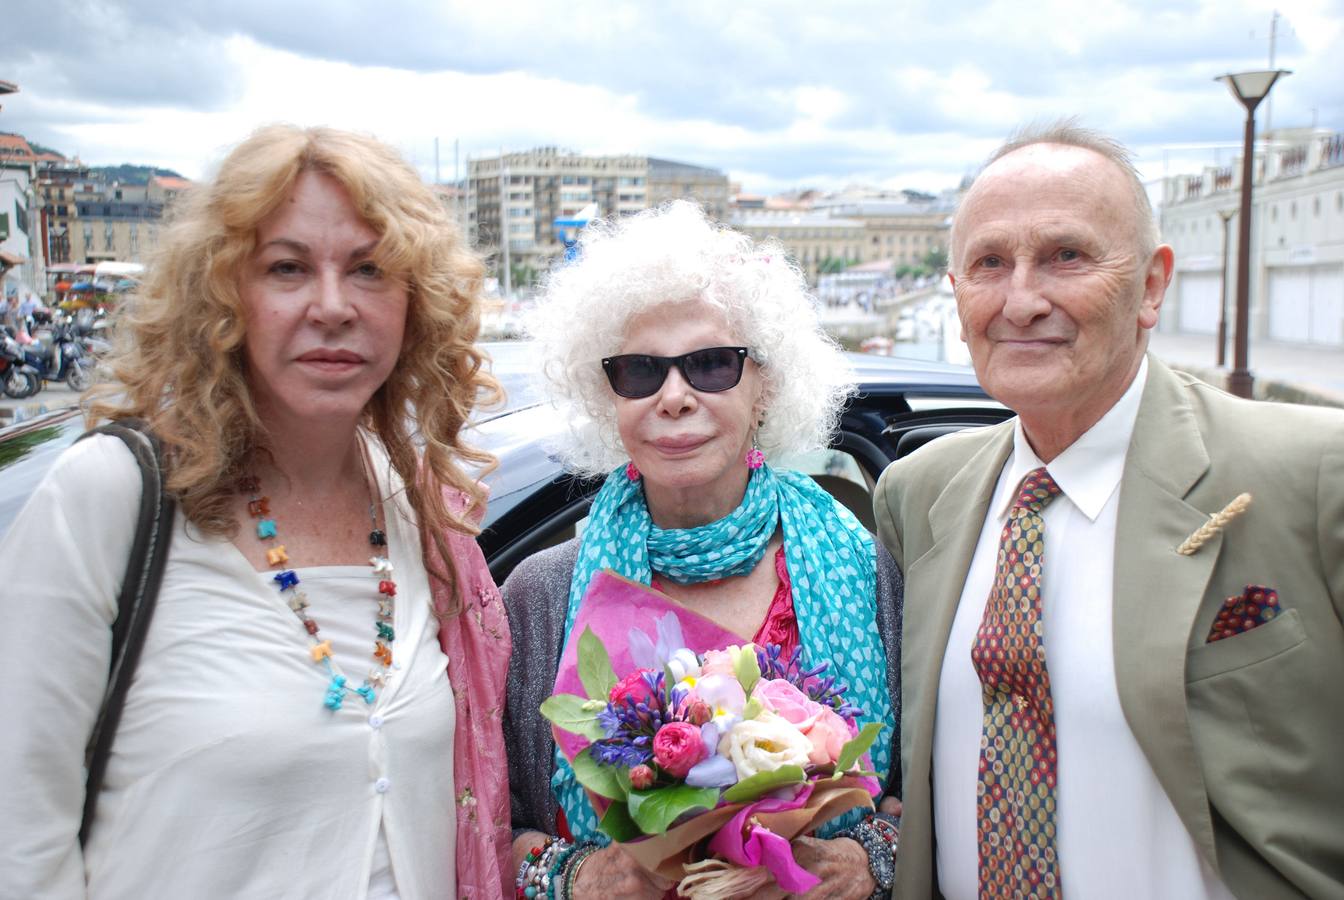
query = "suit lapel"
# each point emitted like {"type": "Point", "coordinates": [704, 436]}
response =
{"type": "Point", "coordinates": [1158, 592]}
{"type": "Point", "coordinates": [933, 585]}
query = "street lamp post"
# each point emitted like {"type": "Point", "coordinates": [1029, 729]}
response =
{"type": "Point", "coordinates": [1226, 215]}
{"type": "Point", "coordinates": [1249, 88]}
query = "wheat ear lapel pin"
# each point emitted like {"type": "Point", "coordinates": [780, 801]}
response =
{"type": "Point", "coordinates": [1217, 522]}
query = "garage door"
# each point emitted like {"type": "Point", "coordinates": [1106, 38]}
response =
{"type": "Point", "coordinates": [1306, 304]}
{"type": "Point", "coordinates": [1199, 294]}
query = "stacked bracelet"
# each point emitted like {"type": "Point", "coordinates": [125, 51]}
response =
{"type": "Point", "coordinates": [534, 874]}
{"type": "Point", "coordinates": [880, 836]}
{"type": "Point", "coordinates": [569, 875]}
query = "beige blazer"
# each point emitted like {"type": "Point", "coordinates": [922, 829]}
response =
{"type": "Point", "coordinates": [1246, 735]}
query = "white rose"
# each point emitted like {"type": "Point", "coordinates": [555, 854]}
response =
{"type": "Point", "coordinates": [764, 744]}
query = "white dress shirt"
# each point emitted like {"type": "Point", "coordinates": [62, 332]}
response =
{"type": "Point", "coordinates": [228, 777]}
{"type": "Point", "coordinates": [1118, 834]}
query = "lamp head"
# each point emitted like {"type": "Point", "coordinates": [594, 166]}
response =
{"type": "Point", "coordinates": [1252, 87]}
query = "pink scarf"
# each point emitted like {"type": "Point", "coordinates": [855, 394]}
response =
{"type": "Point", "coordinates": [478, 646]}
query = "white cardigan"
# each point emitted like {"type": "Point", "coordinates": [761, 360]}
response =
{"type": "Point", "coordinates": [228, 777]}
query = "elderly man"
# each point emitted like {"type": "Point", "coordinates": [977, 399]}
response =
{"type": "Point", "coordinates": [1123, 658]}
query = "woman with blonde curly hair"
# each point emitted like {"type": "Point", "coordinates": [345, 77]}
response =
{"type": "Point", "coordinates": [303, 349]}
{"type": "Point", "coordinates": [688, 362]}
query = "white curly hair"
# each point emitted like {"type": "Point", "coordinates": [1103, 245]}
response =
{"type": "Point", "coordinates": [669, 255]}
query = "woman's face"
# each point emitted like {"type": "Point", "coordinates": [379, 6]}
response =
{"type": "Point", "coordinates": [679, 438]}
{"type": "Point", "coordinates": [324, 323]}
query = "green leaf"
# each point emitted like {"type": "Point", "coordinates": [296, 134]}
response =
{"type": "Point", "coordinates": [601, 780]}
{"type": "Point", "coordinates": [595, 667]}
{"type": "Point", "coordinates": [654, 810]}
{"type": "Point", "coordinates": [617, 824]}
{"type": "Point", "coordinates": [856, 747]}
{"type": "Point", "coordinates": [747, 669]}
{"type": "Point", "coordinates": [761, 783]}
{"type": "Point", "coordinates": [752, 709]}
{"type": "Point", "coordinates": [566, 712]}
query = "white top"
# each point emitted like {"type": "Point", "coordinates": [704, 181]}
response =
{"type": "Point", "coordinates": [1118, 834]}
{"type": "Point", "coordinates": [228, 777]}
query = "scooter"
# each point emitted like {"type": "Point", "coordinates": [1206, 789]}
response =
{"type": "Point", "coordinates": [61, 357]}
{"type": "Point", "coordinates": [17, 379]}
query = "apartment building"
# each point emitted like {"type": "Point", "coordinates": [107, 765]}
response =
{"type": "Point", "coordinates": [670, 180]}
{"type": "Point", "coordinates": [522, 194]}
{"type": "Point", "coordinates": [815, 239]}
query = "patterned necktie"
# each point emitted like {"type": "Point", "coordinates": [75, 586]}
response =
{"type": "Point", "coordinates": [1016, 793]}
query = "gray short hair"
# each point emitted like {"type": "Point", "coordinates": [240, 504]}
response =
{"type": "Point", "coordinates": [668, 255]}
{"type": "Point", "coordinates": [1068, 133]}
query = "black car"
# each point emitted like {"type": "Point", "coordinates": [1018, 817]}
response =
{"type": "Point", "coordinates": [901, 404]}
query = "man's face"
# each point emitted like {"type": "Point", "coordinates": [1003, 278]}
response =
{"type": "Point", "coordinates": [1053, 297]}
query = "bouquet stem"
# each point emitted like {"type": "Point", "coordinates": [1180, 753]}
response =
{"type": "Point", "coordinates": [716, 879]}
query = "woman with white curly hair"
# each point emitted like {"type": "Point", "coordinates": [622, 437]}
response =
{"type": "Point", "coordinates": [685, 360]}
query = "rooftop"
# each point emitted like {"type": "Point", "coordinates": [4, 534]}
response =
{"type": "Point", "coordinates": [171, 182]}
{"type": "Point", "coordinates": [15, 147]}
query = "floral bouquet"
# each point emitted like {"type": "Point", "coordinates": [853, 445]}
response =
{"type": "Point", "coordinates": [743, 746]}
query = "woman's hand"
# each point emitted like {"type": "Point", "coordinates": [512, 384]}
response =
{"type": "Point", "coordinates": [840, 863]}
{"type": "Point", "coordinates": [611, 872]}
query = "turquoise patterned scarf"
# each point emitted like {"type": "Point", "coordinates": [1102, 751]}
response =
{"type": "Point", "coordinates": [832, 563]}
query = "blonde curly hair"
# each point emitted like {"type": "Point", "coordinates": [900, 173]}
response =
{"type": "Point", "coordinates": [179, 363]}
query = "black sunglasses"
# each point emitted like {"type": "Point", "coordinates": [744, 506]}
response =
{"type": "Point", "coordinates": [713, 369]}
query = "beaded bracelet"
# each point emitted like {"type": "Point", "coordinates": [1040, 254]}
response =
{"type": "Point", "coordinates": [879, 834]}
{"type": "Point", "coordinates": [572, 866]}
{"type": "Point", "coordinates": [534, 874]}
{"type": "Point", "coordinates": [554, 887]}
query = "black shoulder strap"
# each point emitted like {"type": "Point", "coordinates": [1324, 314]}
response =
{"type": "Point", "coordinates": [135, 603]}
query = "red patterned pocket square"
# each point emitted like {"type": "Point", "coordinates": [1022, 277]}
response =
{"type": "Point", "coordinates": [1258, 605]}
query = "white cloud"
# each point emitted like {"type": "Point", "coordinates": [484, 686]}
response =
{"type": "Point", "coordinates": [779, 94]}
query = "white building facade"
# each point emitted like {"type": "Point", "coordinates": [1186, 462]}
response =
{"type": "Point", "coordinates": [20, 226]}
{"type": "Point", "coordinates": [1297, 242]}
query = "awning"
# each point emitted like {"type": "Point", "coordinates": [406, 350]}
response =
{"type": "Point", "coordinates": [119, 269]}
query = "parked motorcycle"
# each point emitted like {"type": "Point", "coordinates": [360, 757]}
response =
{"type": "Point", "coordinates": [17, 379]}
{"type": "Point", "coordinates": [60, 356]}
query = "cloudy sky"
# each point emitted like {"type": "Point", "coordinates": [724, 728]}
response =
{"type": "Point", "coordinates": [780, 94]}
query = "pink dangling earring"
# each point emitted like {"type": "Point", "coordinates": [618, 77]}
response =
{"type": "Point", "coordinates": [631, 472]}
{"type": "Point", "coordinates": [755, 458]}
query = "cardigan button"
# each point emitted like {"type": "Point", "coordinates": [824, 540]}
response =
{"type": "Point", "coordinates": [375, 721]}
{"type": "Point", "coordinates": [382, 785]}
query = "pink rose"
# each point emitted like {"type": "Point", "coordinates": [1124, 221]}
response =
{"type": "Point", "coordinates": [822, 726]}
{"type": "Point", "coordinates": [717, 662]}
{"type": "Point", "coordinates": [677, 747]}
{"type": "Point", "coordinates": [779, 696]}
{"type": "Point", "coordinates": [828, 734]}
{"type": "Point", "coordinates": [632, 686]}
{"type": "Point", "coordinates": [641, 778]}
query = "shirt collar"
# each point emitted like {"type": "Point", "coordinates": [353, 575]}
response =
{"type": "Point", "coordinates": [1089, 469]}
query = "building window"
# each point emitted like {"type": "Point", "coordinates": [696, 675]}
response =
{"type": "Point", "coordinates": [135, 239]}
{"type": "Point", "coordinates": [109, 238]}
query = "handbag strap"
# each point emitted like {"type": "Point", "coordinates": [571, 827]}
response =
{"type": "Point", "coordinates": [135, 603]}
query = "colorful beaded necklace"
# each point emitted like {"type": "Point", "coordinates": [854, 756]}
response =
{"type": "Point", "coordinates": [287, 580]}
